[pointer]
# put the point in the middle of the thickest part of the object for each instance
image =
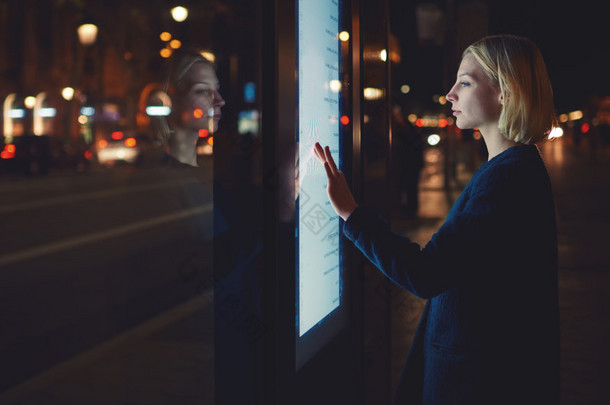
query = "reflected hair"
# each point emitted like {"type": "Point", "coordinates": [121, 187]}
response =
{"type": "Point", "coordinates": [180, 64]}
{"type": "Point", "coordinates": [516, 66]}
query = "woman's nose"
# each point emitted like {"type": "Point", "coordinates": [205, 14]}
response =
{"type": "Point", "coordinates": [450, 96]}
{"type": "Point", "coordinates": [218, 100]}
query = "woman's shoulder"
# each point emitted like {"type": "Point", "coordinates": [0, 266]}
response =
{"type": "Point", "coordinates": [516, 170]}
{"type": "Point", "coordinates": [516, 155]}
{"type": "Point", "coordinates": [517, 160]}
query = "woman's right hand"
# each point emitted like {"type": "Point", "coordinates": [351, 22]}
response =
{"type": "Point", "coordinates": [339, 194]}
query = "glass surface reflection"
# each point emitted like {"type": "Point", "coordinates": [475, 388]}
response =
{"type": "Point", "coordinates": [118, 184]}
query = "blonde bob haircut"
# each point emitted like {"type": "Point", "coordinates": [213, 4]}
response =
{"type": "Point", "coordinates": [515, 64]}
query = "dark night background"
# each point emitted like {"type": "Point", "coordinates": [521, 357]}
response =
{"type": "Point", "coordinates": [572, 37]}
{"type": "Point", "coordinates": [114, 286]}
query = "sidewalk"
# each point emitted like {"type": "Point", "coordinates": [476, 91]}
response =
{"type": "Point", "coordinates": [435, 201]}
{"type": "Point", "coordinates": [581, 183]}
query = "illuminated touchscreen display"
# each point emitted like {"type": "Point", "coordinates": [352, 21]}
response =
{"type": "Point", "coordinates": [318, 264]}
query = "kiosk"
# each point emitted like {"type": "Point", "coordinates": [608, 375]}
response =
{"type": "Point", "coordinates": [316, 84]}
{"type": "Point", "coordinates": [308, 339]}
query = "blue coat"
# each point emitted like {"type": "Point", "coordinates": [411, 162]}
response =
{"type": "Point", "coordinates": [489, 333]}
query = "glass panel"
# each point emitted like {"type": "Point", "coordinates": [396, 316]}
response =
{"type": "Point", "coordinates": [130, 135]}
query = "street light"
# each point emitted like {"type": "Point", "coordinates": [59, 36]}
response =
{"type": "Point", "coordinates": [87, 34]}
{"type": "Point", "coordinates": [179, 13]}
{"type": "Point", "coordinates": [30, 102]}
{"type": "Point", "coordinates": [208, 55]}
{"type": "Point", "coordinates": [383, 55]}
{"type": "Point", "coordinates": [67, 93]}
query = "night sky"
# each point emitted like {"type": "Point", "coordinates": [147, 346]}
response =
{"type": "Point", "coordinates": [574, 40]}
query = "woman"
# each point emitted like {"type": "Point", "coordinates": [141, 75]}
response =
{"type": "Point", "coordinates": [196, 106]}
{"type": "Point", "coordinates": [489, 333]}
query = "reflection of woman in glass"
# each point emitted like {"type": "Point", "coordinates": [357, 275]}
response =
{"type": "Point", "coordinates": [196, 103]}
{"type": "Point", "coordinates": [193, 86]}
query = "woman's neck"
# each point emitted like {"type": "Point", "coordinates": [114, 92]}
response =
{"type": "Point", "coordinates": [183, 146]}
{"type": "Point", "coordinates": [496, 143]}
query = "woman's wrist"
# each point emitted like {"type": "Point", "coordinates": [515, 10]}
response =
{"type": "Point", "coordinates": [345, 214]}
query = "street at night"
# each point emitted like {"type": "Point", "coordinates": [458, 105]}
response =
{"type": "Point", "coordinates": [93, 254]}
{"type": "Point", "coordinates": [169, 233]}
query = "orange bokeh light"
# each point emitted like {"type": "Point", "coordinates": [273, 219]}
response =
{"type": "Point", "coordinates": [102, 143]}
{"type": "Point", "coordinates": [211, 141]}
{"type": "Point", "coordinates": [117, 135]}
{"type": "Point", "coordinates": [203, 133]}
{"type": "Point", "coordinates": [345, 120]}
{"type": "Point", "coordinates": [130, 142]}
{"type": "Point", "coordinates": [197, 113]}
{"type": "Point", "coordinates": [8, 152]}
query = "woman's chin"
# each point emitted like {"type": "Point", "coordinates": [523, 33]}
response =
{"type": "Point", "coordinates": [462, 126]}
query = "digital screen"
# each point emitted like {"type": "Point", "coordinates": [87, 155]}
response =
{"type": "Point", "coordinates": [319, 87]}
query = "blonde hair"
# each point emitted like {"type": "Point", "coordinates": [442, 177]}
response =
{"type": "Point", "coordinates": [515, 64]}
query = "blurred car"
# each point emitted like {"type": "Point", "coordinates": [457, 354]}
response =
{"type": "Point", "coordinates": [118, 147]}
{"type": "Point", "coordinates": [27, 154]}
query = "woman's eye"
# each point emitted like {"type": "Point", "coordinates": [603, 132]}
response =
{"type": "Point", "coordinates": [465, 84]}
{"type": "Point", "coordinates": [204, 92]}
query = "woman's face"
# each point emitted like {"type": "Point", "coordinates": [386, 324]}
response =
{"type": "Point", "coordinates": [476, 103]}
{"type": "Point", "coordinates": [201, 102]}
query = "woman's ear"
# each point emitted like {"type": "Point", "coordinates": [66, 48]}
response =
{"type": "Point", "coordinates": [502, 98]}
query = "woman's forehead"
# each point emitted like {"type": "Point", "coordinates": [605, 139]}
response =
{"type": "Point", "coordinates": [469, 66]}
{"type": "Point", "coordinates": [202, 72]}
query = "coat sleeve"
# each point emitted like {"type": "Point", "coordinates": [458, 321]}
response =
{"type": "Point", "coordinates": [476, 232]}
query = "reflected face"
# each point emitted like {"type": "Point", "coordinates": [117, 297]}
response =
{"type": "Point", "coordinates": [201, 103]}
{"type": "Point", "coordinates": [476, 102]}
